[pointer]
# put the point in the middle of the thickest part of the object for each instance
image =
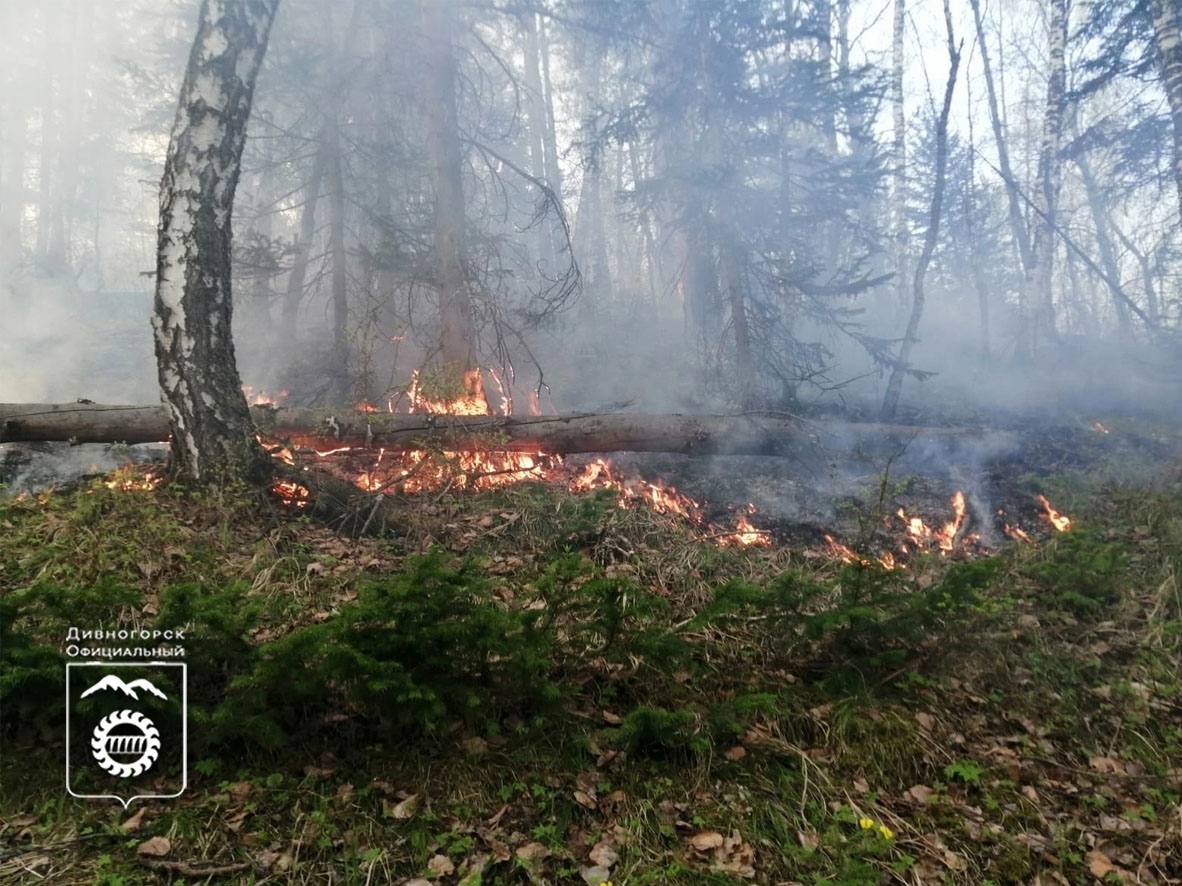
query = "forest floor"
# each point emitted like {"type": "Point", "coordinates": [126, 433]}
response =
{"type": "Point", "coordinates": [530, 686]}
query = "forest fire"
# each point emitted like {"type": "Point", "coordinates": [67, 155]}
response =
{"type": "Point", "coordinates": [924, 537]}
{"type": "Point", "coordinates": [262, 398]}
{"type": "Point", "coordinates": [128, 480]}
{"type": "Point", "coordinates": [1061, 522]}
{"type": "Point", "coordinates": [291, 493]}
{"type": "Point", "coordinates": [841, 552]}
{"type": "Point", "coordinates": [1017, 533]}
{"type": "Point", "coordinates": [422, 470]}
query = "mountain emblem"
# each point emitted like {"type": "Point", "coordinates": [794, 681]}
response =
{"type": "Point", "coordinates": [112, 682]}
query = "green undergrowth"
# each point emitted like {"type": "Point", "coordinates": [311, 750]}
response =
{"type": "Point", "coordinates": [530, 686]}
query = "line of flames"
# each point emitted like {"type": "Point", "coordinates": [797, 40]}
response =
{"type": "Point", "coordinates": [415, 471]}
{"type": "Point", "coordinates": [948, 538]}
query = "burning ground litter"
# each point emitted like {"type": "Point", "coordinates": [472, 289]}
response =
{"type": "Point", "coordinates": [1036, 734]}
{"type": "Point", "coordinates": [953, 496]}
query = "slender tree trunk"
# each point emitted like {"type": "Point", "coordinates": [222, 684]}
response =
{"type": "Point", "coordinates": [1017, 223]}
{"type": "Point", "coordinates": [979, 282]}
{"type": "Point", "coordinates": [731, 279]}
{"type": "Point", "coordinates": [899, 232]}
{"type": "Point", "coordinates": [213, 437]}
{"type": "Point", "coordinates": [1049, 174]}
{"type": "Point", "coordinates": [1166, 37]}
{"type": "Point", "coordinates": [12, 204]}
{"type": "Point", "coordinates": [553, 170]}
{"type": "Point", "coordinates": [538, 126]}
{"type": "Point", "coordinates": [890, 402]}
{"type": "Point", "coordinates": [1103, 237]}
{"type": "Point", "coordinates": [650, 246]}
{"type": "Point", "coordinates": [47, 205]}
{"type": "Point", "coordinates": [303, 245]}
{"type": "Point", "coordinates": [457, 340]}
{"type": "Point", "coordinates": [1152, 302]}
{"type": "Point", "coordinates": [338, 258]}
{"type": "Point", "coordinates": [590, 231]}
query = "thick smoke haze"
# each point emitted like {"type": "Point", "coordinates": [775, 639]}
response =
{"type": "Point", "coordinates": [639, 180]}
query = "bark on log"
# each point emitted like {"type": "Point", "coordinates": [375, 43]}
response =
{"type": "Point", "coordinates": [324, 429]}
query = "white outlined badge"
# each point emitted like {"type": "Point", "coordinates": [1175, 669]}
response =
{"type": "Point", "coordinates": [127, 730]}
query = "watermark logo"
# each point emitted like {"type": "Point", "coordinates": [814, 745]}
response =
{"type": "Point", "coordinates": [126, 730]}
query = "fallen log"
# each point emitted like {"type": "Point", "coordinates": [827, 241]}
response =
{"type": "Point", "coordinates": [324, 429]}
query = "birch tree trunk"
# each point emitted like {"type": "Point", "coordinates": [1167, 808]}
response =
{"type": "Point", "coordinates": [457, 339]}
{"type": "Point", "coordinates": [213, 437]}
{"type": "Point", "coordinates": [1169, 49]}
{"type": "Point", "coordinates": [1049, 175]}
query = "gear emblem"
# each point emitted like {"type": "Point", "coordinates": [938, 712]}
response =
{"type": "Point", "coordinates": [140, 743]}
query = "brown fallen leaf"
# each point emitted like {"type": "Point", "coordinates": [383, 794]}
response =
{"type": "Point", "coordinates": [926, 721]}
{"type": "Point", "coordinates": [404, 810]}
{"type": "Point", "coordinates": [809, 840]}
{"type": "Point", "coordinates": [705, 841]}
{"type": "Point", "coordinates": [532, 851]}
{"type": "Point", "coordinates": [585, 800]}
{"type": "Point", "coordinates": [240, 791]}
{"type": "Point", "coordinates": [133, 824]}
{"type": "Point", "coordinates": [440, 865]}
{"type": "Point", "coordinates": [155, 847]}
{"type": "Point", "coordinates": [1099, 865]}
{"type": "Point", "coordinates": [603, 855]}
{"type": "Point", "coordinates": [737, 753]}
{"type": "Point", "coordinates": [919, 793]}
{"type": "Point", "coordinates": [1107, 764]}
{"type": "Point", "coordinates": [475, 745]}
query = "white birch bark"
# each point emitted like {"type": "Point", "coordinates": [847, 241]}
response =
{"type": "Point", "coordinates": [212, 433]}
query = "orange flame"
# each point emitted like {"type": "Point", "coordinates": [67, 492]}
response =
{"type": "Point", "coordinates": [839, 551]}
{"type": "Point", "coordinates": [471, 402]}
{"type": "Point", "coordinates": [262, 398]}
{"type": "Point", "coordinates": [1061, 522]}
{"type": "Point", "coordinates": [745, 534]}
{"type": "Point", "coordinates": [944, 539]}
{"type": "Point", "coordinates": [128, 480]}
{"type": "Point", "coordinates": [291, 493]}
{"type": "Point", "coordinates": [1018, 534]}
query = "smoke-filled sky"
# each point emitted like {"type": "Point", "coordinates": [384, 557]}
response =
{"type": "Point", "coordinates": [716, 164]}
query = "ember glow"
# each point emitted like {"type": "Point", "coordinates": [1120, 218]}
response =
{"type": "Point", "coordinates": [291, 493]}
{"type": "Point", "coordinates": [838, 551]}
{"type": "Point", "coordinates": [417, 471]}
{"type": "Point", "coordinates": [1061, 522]}
{"type": "Point", "coordinates": [1017, 533]}
{"type": "Point", "coordinates": [262, 398]}
{"type": "Point", "coordinates": [745, 534]}
{"type": "Point", "coordinates": [132, 481]}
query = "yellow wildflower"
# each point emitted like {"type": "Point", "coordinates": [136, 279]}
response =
{"type": "Point", "coordinates": [887, 833]}
{"type": "Point", "coordinates": [866, 823]}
